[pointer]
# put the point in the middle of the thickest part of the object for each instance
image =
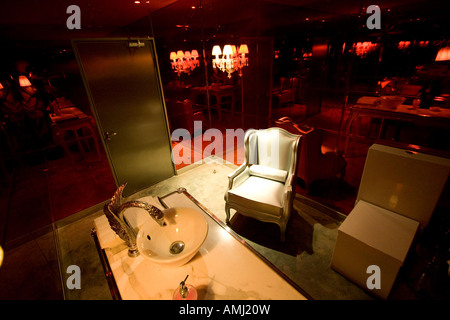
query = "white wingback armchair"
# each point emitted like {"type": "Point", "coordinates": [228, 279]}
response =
{"type": "Point", "coordinates": [263, 187]}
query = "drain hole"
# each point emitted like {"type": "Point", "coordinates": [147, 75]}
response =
{"type": "Point", "coordinates": [176, 247]}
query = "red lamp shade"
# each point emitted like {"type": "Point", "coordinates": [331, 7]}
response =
{"type": "Point", "coordinates": [243, 48]}
{"type": "Point", "coordinates": [194, 53]}
{"type": "Point", "coordinates": [24, 82]}
{"type": "Point", "coordinates": [443, 54]}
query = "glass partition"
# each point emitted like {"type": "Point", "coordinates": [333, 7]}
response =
{"type": "Point", "coordinates": [53, 165]}
{"type": "Point", "coordinates": [309, 68]}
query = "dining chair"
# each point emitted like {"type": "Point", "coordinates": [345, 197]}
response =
{"type": "Point", "coordinates": [315, 162]}
{"type": "Point", "coordinates": [287, 93]}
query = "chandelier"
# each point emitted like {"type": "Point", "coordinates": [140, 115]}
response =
{"type": "Point", "coordinates": [184, 62]}
{"type": "Point", "coordinates": [362, 49]}
{"type": "Point", "coordinates": [403, 45]}
{"type": "Point", "coordinates": [231, 60]}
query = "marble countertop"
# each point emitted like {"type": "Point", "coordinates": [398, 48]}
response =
{"type": "Point", "coordinates": [223, 269]}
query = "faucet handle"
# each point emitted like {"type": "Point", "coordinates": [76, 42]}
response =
{"type": "Point", "coordinates": [157, 214]}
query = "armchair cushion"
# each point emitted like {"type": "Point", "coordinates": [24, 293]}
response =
{"type": "Point", "coordinates": [268, 173]}
{"type": "Point", "coordinates": [260, 194]}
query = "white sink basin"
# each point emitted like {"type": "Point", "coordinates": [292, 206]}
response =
{"type": "Point", "coordinates": [185, 226]}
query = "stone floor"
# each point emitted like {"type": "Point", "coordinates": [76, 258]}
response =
{"type": "Point", "coordinates": [36, 276]}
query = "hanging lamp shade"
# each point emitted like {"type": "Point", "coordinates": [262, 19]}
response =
{"type": "Point", "coordinates": [173, 55]}
{"type": "Point", "coordinates": [1, 256]}
{"type": "Point", "coordinates": [1, 86]}
{"type": "Point", "coordinates": [243, 48]}
{"type": "Point", "coordinates": [216, 51]}
{"type": "Point", "coordinates": [227, 50]}
{"type": "Point", "coordinates": [194, 53]}
{"type": "Point", "coordinates": [24, 82]}
{"type": "Point", "coordinates": [180, 54]}
{"type": "Point", "coordinates": [443, 54]}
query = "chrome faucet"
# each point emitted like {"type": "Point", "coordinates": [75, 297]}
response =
{"type": "Point", "coordinates": [114, 211]}
{"type": "Point", "coordinates": [154, 212]}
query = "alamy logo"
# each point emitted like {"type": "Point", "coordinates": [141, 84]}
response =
{"type": "Point", "coordinates": [74, 20]}
{"type": "Point", "coordinates": [182, 152]}
{"type": "Point", "coordinates": [374, 21]}
{"type": "Point", "coordinates": [374, 280]}
{"type": "Point", "coordinates": [74, 280]}
{"type": "Point", "coordinates": [234, 139]}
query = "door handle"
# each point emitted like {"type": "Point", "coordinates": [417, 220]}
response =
{"type": "Point", "coordinates": [108, 135]}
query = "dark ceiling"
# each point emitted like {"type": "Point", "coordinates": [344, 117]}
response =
{"type": "Point", "coordinates": [35, 24]}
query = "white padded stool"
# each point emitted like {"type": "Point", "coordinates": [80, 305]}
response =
{"type": "Point", "coordinates": [398, 193]}
{"type": "Point", "coordinates": [373, 236]}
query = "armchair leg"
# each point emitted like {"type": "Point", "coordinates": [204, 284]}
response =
{"type": "Point", "coordinates": [283, 232]}
{"type": "Point", "coordinates": [227, 211]}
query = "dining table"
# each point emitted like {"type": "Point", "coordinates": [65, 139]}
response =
{"type": "Point", "coordinates": [368, 106]}
{"type": "Point", "coordinates": [219, 92]}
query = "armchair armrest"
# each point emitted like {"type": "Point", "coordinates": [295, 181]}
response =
{"type": "Point", "coordinates": [239, 175]}
{"type": "Point", "coordinates": [288, 194]}
{"type": "Point", "coordinates": [288, 186]}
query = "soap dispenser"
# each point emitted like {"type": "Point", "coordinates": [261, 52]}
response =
{"type": "Point", "coordinates": [185, 291]}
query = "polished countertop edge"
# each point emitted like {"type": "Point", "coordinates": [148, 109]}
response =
{"type": "Point", "coordinates": [240, 239]}
{"type": "Point", "coordinates": [113, 288]}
